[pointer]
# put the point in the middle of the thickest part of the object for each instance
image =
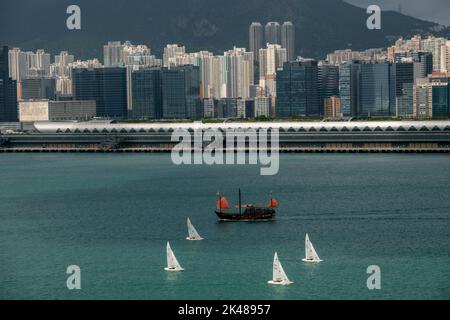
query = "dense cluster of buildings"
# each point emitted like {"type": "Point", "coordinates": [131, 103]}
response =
{"type": "Point", "coordinates": [410, 79]}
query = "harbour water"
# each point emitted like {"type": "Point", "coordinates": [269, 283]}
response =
{"type": "Point", "coordinates": [112, 214]}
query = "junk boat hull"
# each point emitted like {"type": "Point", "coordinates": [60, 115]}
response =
{"type": "Point", "coordinates": [253, 215]}
{"type": "Point", "coordinates": [246, 212]}
{"type": "Point", "coordinates": [264, 215]}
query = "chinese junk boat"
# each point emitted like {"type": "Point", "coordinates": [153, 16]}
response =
{"type": "Point", "coordinates": [245, 212]}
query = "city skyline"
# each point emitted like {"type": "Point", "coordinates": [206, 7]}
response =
{"type": "Point", "coordinates": [263, 79]}
{"type": "Point", "coordinates": [384, 82]}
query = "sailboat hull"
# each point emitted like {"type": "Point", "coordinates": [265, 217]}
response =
{"type": "Point", "coordinates": [280, 283]}
{"type": "Point", "coordinates": [173, 270]}
{"type": "Point", "coordinates": [311, 261]}
{"type": "Point", "coordinates": [194, 239]}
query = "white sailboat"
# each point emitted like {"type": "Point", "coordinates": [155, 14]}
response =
{"type": "Point", "coordinates": [193, 234]}
{"type": "Point", "coordinates": [310, 252]}
{"type": "Point", "coordinates": [172, 262]}
{"type": "Point", "coordinates": [279, 276]}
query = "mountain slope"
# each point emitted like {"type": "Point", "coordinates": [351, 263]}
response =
{"type": "Point", "coordinates": [322, 25]}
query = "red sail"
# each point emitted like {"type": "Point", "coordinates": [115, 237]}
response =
{"type": "Point", "coordinates": [273, 203]}
{"type": "Point", "coordinates": [222, 204]}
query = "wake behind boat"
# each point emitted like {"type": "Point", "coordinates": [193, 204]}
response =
{"type": "Point", "coordinates": [246, 212]}
{"type": "Point", "coordinates": [172, 263]}
{"type": "Point", "coordinates": [279, 276]}
{"type": "Point", "coordinates": [193, 234]}
{"type": "Point", "coordinates": [310, 252]}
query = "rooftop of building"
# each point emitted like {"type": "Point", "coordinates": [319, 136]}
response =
{"type": "Point", "coordinates": [108, 126]}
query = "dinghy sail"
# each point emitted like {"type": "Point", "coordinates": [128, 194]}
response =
{"type": "Point", "coordinates": [193, 234]}
{"type": "Point", "coordinates": [311, 254]}
{"type": "Point", "coordinates": [279, 276]}
{"type": "Point", "coordinates": [172, 262]}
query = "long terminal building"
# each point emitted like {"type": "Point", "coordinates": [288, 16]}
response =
{"type": "Point", "coordinates": [350, 136]}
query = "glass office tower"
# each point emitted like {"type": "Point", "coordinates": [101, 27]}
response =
{"type": "Point", "coordinates": [8, 90]}
{"type": "Point", "coordinates": [181, 92]}
{"type": "Point", "coordinates": [107, 86]}
{"type": "Point", "coordinates": [297, 89]}
{"type": "Point", "coordinates": [377, 90]}
{"type": "Point", "coordinates": [147, 94]}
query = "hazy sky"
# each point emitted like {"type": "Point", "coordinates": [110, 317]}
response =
{"type": "Point", "coordinates": [431, 10]}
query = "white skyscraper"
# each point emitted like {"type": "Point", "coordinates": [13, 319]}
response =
{"type": "Point", "coordinates": [113, 54]}
{"type": "Point", "coordinates": [273, 33]}
{"type": "Point", "coordinates": [271, 59]}
{"type": "Point", "coordinates": [219, 78]}
{"type": "Point", "coordinates": [413, 44]}
{"type": "Point", "coordinates": [445, 57]}
{"type": "Point", "coordinates": [211, 72]}
{"type": "Point", "coordinates": [64, 85]}
{"type": "Point", "coordinates": [27, 64]}
{"type": "Point", "coordinates": [227, 76]}
{"type": "Point", "coordinates": [61, 69]}
{"type": "Point", "coordinates": [61, 66]}
{"type": "Point", "coordinates": [288, 39]}
{"type": "Point", "coordinates": [434, 45]}
{"type": "Point", "coordinates": [174, 55]}
{"type": "Point", "coordinates": [256, 38]}
{"type": "Point", "coordinates": [42, 61]}
{"type": "Point", "coordinates": [139, 55]}
{"type": "Point", "coordinates": [18, 64]}
{"type": "Point", "coordinates": [86, 64]}
{"type": "Point", "coordinates": [239, 72]}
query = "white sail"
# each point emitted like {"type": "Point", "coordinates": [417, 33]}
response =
{"type": "Point", "coordinates": [172, 262]}
{"type": "Point", "coordinates": [310, 252]}
{"type": "Point", "coordinates": [279, 276]}
{"type": "Point", "coordinates": [193, 234]}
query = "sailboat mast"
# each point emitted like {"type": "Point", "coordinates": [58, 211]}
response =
{"type": "Point", "coordinates": [271, 199]}
{"type": "Point", "coordinates": [240, 201]}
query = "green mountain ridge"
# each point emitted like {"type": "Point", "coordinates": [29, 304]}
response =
{"type": "Point", "coordinates": [322, 26]}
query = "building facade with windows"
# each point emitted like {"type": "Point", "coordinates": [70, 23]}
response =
{"type": "Point", "coordinates": [297, 89]}
{"type": "Point", "coordinates": [106, 86]}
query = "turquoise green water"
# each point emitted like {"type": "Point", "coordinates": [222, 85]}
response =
{"type": "Point", "coordinates": [112, 216]}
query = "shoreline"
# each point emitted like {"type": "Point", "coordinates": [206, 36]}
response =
{"type": "Point", "coordinates": [282, 150]}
